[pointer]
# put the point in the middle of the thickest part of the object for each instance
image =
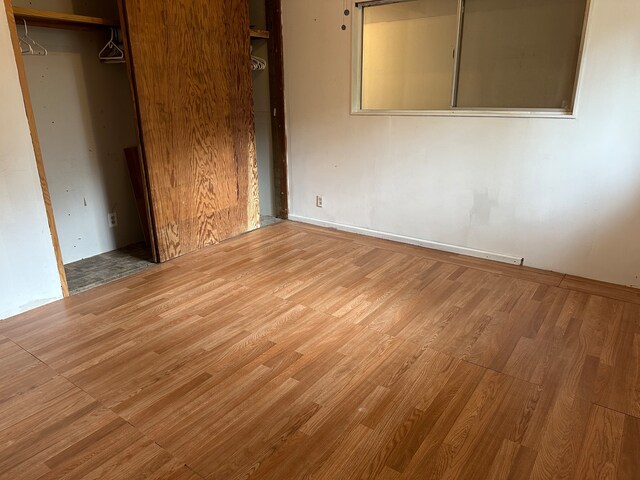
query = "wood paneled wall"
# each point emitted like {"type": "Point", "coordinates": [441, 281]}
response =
{"type": "Point", "coordinates": [192, 81]}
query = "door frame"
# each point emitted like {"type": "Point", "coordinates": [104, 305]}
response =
{"type": "Point", "coordinates": [44, 186]}
{"type": "Point", "coordinates": [273, 10]}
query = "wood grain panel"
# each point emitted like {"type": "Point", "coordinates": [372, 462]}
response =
{"type": "Point", "coordinates": [192, 79]}
{"type": "Point", "coordinates": [297, 352]}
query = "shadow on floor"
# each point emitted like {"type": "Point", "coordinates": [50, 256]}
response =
{"type": "Point", "coordinates": [107, 267]}
{"type": "Point", "coordinates": [266, 220]}
{"type": "Point", "coordinates": [104, 268]}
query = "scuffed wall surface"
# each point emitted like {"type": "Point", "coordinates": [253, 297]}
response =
{"type": "Point", "coordinates": [28, 272]}
{"type": "Point", "coordinates": [85, 120]}
{"type": "Point", "coordinates": [563, 194]}
{"type": "Point", "coordinates": [84, 115]}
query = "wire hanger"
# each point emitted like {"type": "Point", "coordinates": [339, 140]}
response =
{"type": "Point", "coordinates": [111, 52]}
{"type": "Point", "coordinates": [257, 63]}
{"type": "Point", "coordinates": [28, 46]}
{"type": "Point", "coordinates": [25, 48]}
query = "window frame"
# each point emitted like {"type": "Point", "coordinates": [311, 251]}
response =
{"type": "Point", "coordinates": [357, 24]}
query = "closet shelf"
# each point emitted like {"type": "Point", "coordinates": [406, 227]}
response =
{"type": "Point", "coordinates": [255, 33]}
{"type": "Point", "coordinates": [46, 18]}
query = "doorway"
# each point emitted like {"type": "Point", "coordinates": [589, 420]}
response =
{"type": "Point", "coordinates": [83, 113]}
{"type": "Point", "coordinates": [82, 118]}
{"type": "Point", "coordinates": [268, 101]}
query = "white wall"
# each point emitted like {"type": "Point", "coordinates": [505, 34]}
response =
{"type": "Point", "coordinates": [84, 115]}
{"type": "Point", "coordinates": [563, 194]}
{"type": "Point", "coordinates": [28, 273]}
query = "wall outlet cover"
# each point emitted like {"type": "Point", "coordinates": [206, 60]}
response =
{"type": "Point", "coordinates": [112, 219]}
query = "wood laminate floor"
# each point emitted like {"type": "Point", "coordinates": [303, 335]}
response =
{"type": "Point", "coordinates": [295, 352]}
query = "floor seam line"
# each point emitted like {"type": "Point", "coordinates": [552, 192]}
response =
{"type": "Point", "coordinates": [615, 410]}
{"type": "Point", "coordinates": [144, 435]}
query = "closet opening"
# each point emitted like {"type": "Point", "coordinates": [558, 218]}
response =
{"type": "Point", "coordinates": [268, 102]}
{"type": "Point", "coordinates": [81, 100]}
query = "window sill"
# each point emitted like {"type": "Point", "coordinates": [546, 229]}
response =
{"type": "Point", "coordinates": [557, 114]}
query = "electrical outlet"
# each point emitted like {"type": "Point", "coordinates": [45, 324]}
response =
{"type": "Point", "coordinates": [319, 201]}
{"type": "Point", "coordinates": [112, 219]}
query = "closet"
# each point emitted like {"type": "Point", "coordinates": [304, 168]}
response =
{"type": "Point", "coordinates": [84, 118]}
{"type": "Point", "coordinates": [166, 140]}
{"type": "Point", "coordinates": [190, 64]}
{"type": "Point", "coordinates": [268, 100]}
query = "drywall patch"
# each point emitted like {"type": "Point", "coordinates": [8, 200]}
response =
{"type": "Point", "coordinates": [480, 213]}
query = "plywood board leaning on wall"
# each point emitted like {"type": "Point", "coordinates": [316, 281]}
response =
{"type": "Point", "coordinates": [192, 80]}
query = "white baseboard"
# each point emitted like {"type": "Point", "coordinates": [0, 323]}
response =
{"type": "Point", "coordinates": [471, 252]}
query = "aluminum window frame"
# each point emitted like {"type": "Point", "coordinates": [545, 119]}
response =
{"type": "Point", "coordinates": [357, 24]}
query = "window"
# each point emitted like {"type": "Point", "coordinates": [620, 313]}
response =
{"type": "Point", "coordinates": [468, 55]}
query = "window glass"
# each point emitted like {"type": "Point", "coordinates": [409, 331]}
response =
{"type": "Point", "coordinates": [407, 55]}
{"type": "Point", "coordinates": [520, 53]}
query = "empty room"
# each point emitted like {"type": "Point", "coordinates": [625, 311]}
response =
{"type": "Point", "coordinates": [320, 239]}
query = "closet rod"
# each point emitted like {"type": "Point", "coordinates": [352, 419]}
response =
{"type": "Point", "coordinates": [46, 18]}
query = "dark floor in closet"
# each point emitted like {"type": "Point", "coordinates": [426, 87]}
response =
{"type": "Point", "coordinates": [266, 220]}
{"type": "Point", "coordinates": [107, 267]}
